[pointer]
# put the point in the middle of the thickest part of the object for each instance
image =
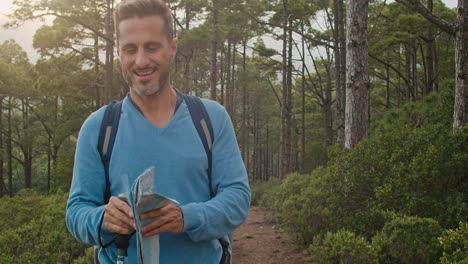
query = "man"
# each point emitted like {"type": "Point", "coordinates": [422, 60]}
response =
{"type": "Point", "coordinates": [156, 129]}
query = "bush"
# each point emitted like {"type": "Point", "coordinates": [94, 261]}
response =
{"type": "Point", "coordinates": [408, 239]}
{"type": "Point", "coordinates": [300, 206]}
{"type": "Point", "coordinates": [87, 258]}
{"type": "Point", "coordinates": [353, 176]}
{"type": "Point", "coordinates": [264, 193]}
{"type": "Point", "coordinates": [429, 174]}
{"type": "Point", "coordinates": [38, 233]}
{"type": "Point", "coordinates": [342, 247]}
{"type": "Point", "coordinates": [455, 245]}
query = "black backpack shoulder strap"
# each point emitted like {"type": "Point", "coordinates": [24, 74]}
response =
{"type": "Point", "coordinates": [202, 123]}
{"type": "Point", "coordinates": [201, 120]}
{"type": "Point", "coordinates": [107, 133]}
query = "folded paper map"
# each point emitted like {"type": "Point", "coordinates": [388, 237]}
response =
{"type": "Point", "coordinates": [143, 198]}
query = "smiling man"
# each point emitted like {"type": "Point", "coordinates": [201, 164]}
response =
{"type": "Point", "coordinates": [156, 129]}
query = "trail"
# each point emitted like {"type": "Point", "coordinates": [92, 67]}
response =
{"type": "Point", "coordinates": [258, 241]}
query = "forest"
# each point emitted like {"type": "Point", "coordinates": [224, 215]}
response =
{"type": "Point", "coordinates": [350, 115]}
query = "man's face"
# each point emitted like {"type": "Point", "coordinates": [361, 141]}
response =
{"type": "Point", "coordinates": [145, 54]}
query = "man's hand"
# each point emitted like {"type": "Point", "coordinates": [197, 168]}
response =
{"type": "Point", "coordinates": [165, 219]}
{"type": "Point", "coordinates": [118, 217]}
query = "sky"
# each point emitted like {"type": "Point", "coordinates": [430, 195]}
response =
{"type": "Point", "coordinates": [24, 34]}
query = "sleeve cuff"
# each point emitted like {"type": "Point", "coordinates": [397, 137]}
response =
{"type": "Point", "coordinates": [192, 217]}
{"type": "Point", "coordinates": [105, 235]}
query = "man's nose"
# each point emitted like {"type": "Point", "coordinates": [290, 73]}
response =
{"type": "Point", "coordinates": [141, 59]}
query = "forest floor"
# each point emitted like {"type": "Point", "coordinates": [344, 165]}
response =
{"type": "Point", "coordinates": [258, 241]}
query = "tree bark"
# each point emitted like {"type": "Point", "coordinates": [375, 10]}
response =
{"type": "Point", "coordinates": [27, 146]}
{"type": "Point", "coordinates": [109, 51]}
{"type": "Point", "coordinates": [222, 96]}
{"type": "Point", "coordinates": [327, 105]}
{"type": "Point", "coordinates": [244, 101]}
{"type": "Point", "coordinates": [429, 55]}
{"type": "Point", "coordinates": [96, 71]}
{"type": "Point", "coordinates": [460, 115]}
{"type": "Point", "coordinates": [9, 149]}
{"type": "Point", "coordinates": [340, 68]}
{"type": "Point", "coordinates": [357, 73]}
{"type": "Point", "coordinates": [285, 144]}
{"type": "Point", "coordinates": [227, 101]}
{"type": "Point", "coordinates": [289, 122]}
{"type": "Point", "coordinates": [303, 103]}
{"type": "Point", "coordinates": [232, 86]}
{"type": "Point", "coordinates": [214, 45]}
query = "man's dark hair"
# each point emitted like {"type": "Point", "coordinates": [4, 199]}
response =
{"type": "Point", "coordinates": [143, 8]}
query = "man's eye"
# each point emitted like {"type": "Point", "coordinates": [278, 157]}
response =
{"type": "Point", "coordinates": [130, 50]}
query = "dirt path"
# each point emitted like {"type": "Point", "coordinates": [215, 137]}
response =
{"type": "Point", "coordinates": [258, 242]}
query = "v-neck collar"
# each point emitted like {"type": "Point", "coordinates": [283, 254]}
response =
{"type": "Point", "coordinates": [139, 113]}
{"type": "Point", "coordinates": [178, 102]}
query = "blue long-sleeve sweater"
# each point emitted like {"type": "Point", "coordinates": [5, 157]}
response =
{"type": "Point", "coordinates": [177, 153]}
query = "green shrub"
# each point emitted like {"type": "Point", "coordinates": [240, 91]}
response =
{"type": "Point", "coordinates": [429, 174]}
{"type": "Point", "coordinates": [408, 239]}
{"type": "Point", "coordinates": [87, 258]}
{"type": "Point", "coordinates": [353, 176]}
{"type": "Point", "coordinates": [300, 206]}
{"type": "Point", "coordinates": [38, 233]}
{"type": "Point", "coordinates": [342, 247]}
{"type": "Point", "coordinates": [455, 245]}
{"type": "Point", "coordinates": [264, 193]}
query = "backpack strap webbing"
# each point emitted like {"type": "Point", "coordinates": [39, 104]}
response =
{"type": "Point", "coordinates": [202, 123]}
{"type": "Point", "coordinates": [107, 133]}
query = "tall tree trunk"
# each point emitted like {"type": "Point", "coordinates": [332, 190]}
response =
{"type": "Point", "coordinates": [27, 147]}
{"type": "Point", "coordinates": [414, 71]}
{"type": "Point", "coordinates": [285, 144]}
{"type": "Point", "coordinates": [222, 75]}
{"type": "Point", "coordinates": [232, 86]}
{"type": "Point", "coordinates": [255, 140]}
{"type": "Point", "coordinates": [247, 147]}
{"type": "Point", "coordinates": [429, 55]}
{"type": "Point", "coordinates": [214, 45]}
{"type": "Point", "coordinates": [460, 115]}
{"type": "Point", "coordinates": [227, 101]}
{"type": "Point", "coordinates": [387, 86]}
{"type": "Point", "coordinates": [398, 92]}
{"type": "Point", "coordinates": [327, 106]}
{"type": "Point", "coordinates": [340, 68]}
{"type": "Point", "coordinates": [244, 100]}
{"type": "Point", "coordinates": [303, 102]}
{"type": "Point", "coordinates": [290, 140]}
{"type": "Point", "coordinates": [10, 149]}
{"type": "Point", "coordinates": [109, 51]}
{"type": "Point", "coordinates": [357, 73]}
{"type": "Point", "coordinates": [187, 86]}
{"type": "Point", "coordinates": [96, 71]}
{"type": "Point", "coordinates": [49, 161]}
{"type": "Point", "coordinates": [408, 72]}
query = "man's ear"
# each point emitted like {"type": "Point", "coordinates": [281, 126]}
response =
{"type": "Point", "coordinates": [174, 47]}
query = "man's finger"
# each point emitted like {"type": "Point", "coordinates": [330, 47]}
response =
{"type": "Point", "coordinates": [159, 212]}
{"type": "Point", "coordinates": [172, 222]}
{"type": "Point", "coordinates": [121, 206]}
{"type": "Point", "coordinates": [118, 229]}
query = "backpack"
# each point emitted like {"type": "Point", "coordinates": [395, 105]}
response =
{"type": "Point", "coordinates": [202, 123]}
